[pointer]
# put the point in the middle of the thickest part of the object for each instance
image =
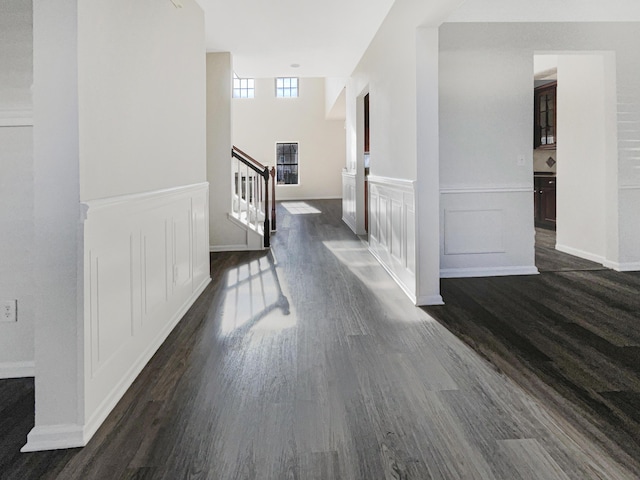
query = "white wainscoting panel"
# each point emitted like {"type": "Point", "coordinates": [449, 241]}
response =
{"type": "Point", "coordinates": [349, 200]}
{"type": "Point", "coordinates": [473, 231]}
{"type": "Point", "coordinates": [392, 229]}
{"type": "Point", "coordinates": [487, 231]}
{"type": "Point", "coordinates": [146, 262]}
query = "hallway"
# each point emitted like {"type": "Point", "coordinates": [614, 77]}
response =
{"type": "Point", "coordinates": [310, 363]}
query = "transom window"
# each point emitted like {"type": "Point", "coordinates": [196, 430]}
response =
{"type": "Point", "coordinates": [243, 87]}
{"type": "Point", "coordinates": [287, 163]}
{"type": "Point", "coordinates": [286, 87]}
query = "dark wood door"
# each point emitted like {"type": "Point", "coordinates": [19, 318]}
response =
{"type": "Point", "coordinates": [545, 202]}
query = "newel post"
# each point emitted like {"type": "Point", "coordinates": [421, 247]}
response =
{"type": "Point", "coordinates": [273, 198]}
{"type": "Point", "coordinates": [267, 227]}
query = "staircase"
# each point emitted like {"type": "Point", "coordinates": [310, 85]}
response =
{"type": "Point", "coordinates": [253, 198]}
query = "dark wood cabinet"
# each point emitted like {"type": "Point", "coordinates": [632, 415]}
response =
{"type": "Point", "coordinates": [544, 201]}
{"type": "Point", "coordinates": [544, 122]}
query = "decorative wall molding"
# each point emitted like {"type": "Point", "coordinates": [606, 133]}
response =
{"type": "Point", "coordinates": [17, 369]}
{"type": "Point", "coordinates": [487, 272]}
{"type": "Point", "coordinates": [137, 199]}
{"type": "Point", "coordinates": [16, 118]}
{"type": "Point", "coordinates": [349, 200]}
{"type": "Point", "coordinates": [473, 231]}
{"type": "Point", "coordinates": [393, 182]}
{"type": "Point", "coordinates": [466, 189]}
{"type": "Point", "coordinates": [392, 229]}
{"type": "Point", "coordinates": [108, 404]}
{"type": "Point", "coordinates": [485, 232]}
{"type": "Point", "coordinates": [146, 256]}
{"type": "Point", "coordinates": [146, 261]}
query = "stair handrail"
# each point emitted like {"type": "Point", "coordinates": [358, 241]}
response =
{"type": "Point", "coordinates": [235, 151]}
{"type": "Point", "coordinates": [264, 172]}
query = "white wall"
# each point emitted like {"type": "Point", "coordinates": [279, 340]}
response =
{"type": "Point", "coordinates": [261, 122]}
{"type": "Point", "coordinates": [582, 146]}
{"type": "Point", "coordinates": [486, 123]}
{"type": "Point", "coordinates": [121, 197]}
{"type": "Point", "coordinates": [399, 73]}
{"type": "Point", "coordinates": [335, 98]}
{"type": "Point", "coordinates": [387, 72]}
{"type": "Point", "coordinates": [16, 186]}
{"type": "Point", "coordinates": [16, 51]}
{"type": "Point", "coordinates": [131, 142]}
{"type": "Point", "coordinates": [223, 234]}
{"type": "Point", "coordinates": [57, 223]}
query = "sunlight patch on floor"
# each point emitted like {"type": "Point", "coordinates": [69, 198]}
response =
{"type": "Point", "coordinates": [369, 271]}
{"type": "Point", "coordinates": [254, 300]}
{"type": "Point", "coordinates": [299, 208]}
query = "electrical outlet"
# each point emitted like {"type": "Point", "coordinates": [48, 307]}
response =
{"type": "Point", "coordinates": [8, 311]}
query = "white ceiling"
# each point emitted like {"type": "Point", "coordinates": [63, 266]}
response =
{"type": "Point", "coordinates": [325, 37]}
{"type": "Point", "coordinates": [547, 11]}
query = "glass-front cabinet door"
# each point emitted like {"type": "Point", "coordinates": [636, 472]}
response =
{"type": "Point", "coordinates": [545, 116]}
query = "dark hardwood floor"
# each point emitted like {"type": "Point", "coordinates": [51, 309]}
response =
{"type": "Point", "coordinates": [310, 363]}
{"type": "Point", "coordinates": [570, 336]}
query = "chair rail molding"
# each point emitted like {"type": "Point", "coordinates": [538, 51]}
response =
{"type": "Point", "coordinates": [22, 117]}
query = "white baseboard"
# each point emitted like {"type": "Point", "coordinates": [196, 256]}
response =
{"type": "Point", "coordinates": [580, 253]}
{"type": "Point", "coordinates": [228, 248]}
{"type": "Point", "coordinates": [54, 437]}
{"type": "Point", "coordinates": [405, 288]}
{"type": "Point", "coordinates": [17, 369]}
{"type": "Point", "coordinates": [622, 267]}
{"type": "Point", "coordinates": [57, 437]}
{"type": "Point", "coordinates": [350, 224]}
{"type": "Point", "coordinates": [487, 272]}
{"type": "Point", "coordinates": [430, 300]}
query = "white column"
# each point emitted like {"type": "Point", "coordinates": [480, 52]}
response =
{"type": "Point", "coordinates": [57, 229]}
{"type": "Point", "coordinates": [428, 165]}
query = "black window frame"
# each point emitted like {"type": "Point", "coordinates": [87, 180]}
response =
{"type": "Point", "coordinates": [288, 163]}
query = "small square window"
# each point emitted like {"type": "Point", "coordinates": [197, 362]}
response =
{"type": "Point", "coordinates": [243, 87]}
{"type": "Point", "coordinates": [286, 87]}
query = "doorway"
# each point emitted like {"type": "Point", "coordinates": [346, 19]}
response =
{"type": "Point", "coordinates": [574, 136]}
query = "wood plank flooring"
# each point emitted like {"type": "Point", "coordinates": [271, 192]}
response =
{"type": "Point", "coordinates": [310, 363]}
{"type": "Point", "coordinates": [569, 336]}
